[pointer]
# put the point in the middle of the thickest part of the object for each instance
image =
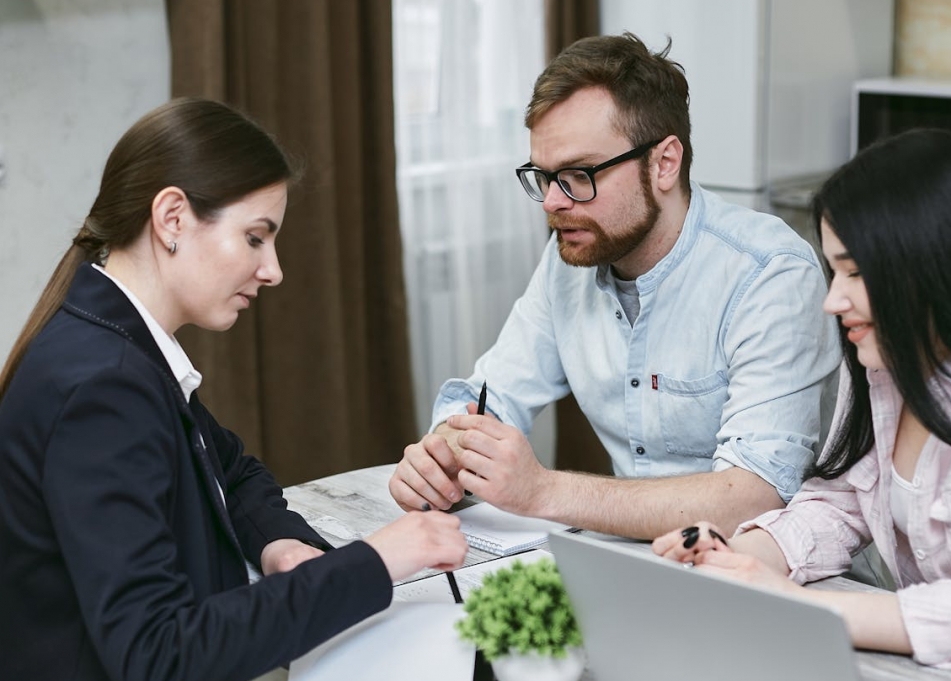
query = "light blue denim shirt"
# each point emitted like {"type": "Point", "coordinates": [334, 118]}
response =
{"type": "Point", "coordinates": [731, 361]}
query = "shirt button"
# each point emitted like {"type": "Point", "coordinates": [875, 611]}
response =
{"type": "Point", "coordinates": [617, 313]}
{"type": "Point", "coordinates": [640, 450]}
{"type": "Point", "coordinates": [920, 555]}
{"type": "Point", "coordinates": [635, 382]}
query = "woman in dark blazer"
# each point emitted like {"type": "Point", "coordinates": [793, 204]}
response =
{"type": "Point", "coordinates": [126, 511]}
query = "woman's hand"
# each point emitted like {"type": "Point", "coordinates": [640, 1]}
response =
{"type": "Point", "coordinates": [420, 540]}
{"type": "Point", "coordinates": [708, 551]}
{"type": "Point", "coordinates": [283, 555]}
{"type": "Point", "coordinates": [686, 544]}
{"type": "Point", "coordinates": [745, 568]}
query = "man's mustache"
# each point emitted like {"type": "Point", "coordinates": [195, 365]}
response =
{"type": "Point", "coordinates": [573, 223]}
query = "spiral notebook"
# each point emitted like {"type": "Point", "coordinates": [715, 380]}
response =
{"type": "Point", "coordinates": [493, 530]}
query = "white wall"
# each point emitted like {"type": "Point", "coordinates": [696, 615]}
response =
{"type": "Point", "coordinates": [770, 80]}
{"type": "Point", "coordinates": [74, 75]}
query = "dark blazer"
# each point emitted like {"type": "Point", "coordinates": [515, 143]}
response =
{"type": "Point", "coordinates": [118, 557]}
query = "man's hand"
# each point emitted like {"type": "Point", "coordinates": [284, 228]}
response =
{"type": "Point", "coordinates": [428, 471]}
{"type": "Point", "coordinates": [427, 474]}
{"type": "Point", "coordinates": [283, 555]}
{"type": "Point", "coordinates": [498, 464]}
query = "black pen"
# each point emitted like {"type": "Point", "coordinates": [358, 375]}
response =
{"type": "Point", "coordinates": [480, 411]}
{"type": "Point", "coordinates": [482, 670]}
{"type": "Point", "coordinates": [456, 594]}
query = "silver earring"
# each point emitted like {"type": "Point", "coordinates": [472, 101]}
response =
{"type": "Point", "coordinates": [172, 247]}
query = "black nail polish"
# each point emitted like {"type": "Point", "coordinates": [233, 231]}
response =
{"type": "Point", "coordinates": [691, 540]}
{"type": "Point", "coordinates": [687, 531]}
{"type": "Point", "coordinates": [426, 506]}
{"type": "Point", "coordinates": [717, 535]}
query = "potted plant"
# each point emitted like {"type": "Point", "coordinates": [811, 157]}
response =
{"type": "Point", "coordinates": [522, 621]}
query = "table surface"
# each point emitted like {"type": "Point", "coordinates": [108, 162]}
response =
{"type": "Point", "coordinates": [352, 505]}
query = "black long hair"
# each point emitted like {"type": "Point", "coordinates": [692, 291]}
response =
{"type": "Point", "coordinates": [891, 208]}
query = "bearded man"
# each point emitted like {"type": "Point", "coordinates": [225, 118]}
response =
{"type": "Point", "coordinates": [690, 330]}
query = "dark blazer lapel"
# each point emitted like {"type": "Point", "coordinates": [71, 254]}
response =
{"type": "Point", "coordinates": [212, 483]}
{"type": "Point", "coordinates": [97, 299]}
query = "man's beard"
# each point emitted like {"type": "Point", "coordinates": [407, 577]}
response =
{"type": "Point", "coordinates": [607, 249]}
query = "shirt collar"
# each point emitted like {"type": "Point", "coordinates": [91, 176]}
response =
{"type": "Point", "coordinates": [688, 234]}
{"type": "Point", "coordinates": [182, 369]}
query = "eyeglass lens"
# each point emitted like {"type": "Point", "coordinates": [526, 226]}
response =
{"type": "Point", "coordinates": [576, 184]}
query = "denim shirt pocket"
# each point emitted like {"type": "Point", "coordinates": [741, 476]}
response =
{"type": "Point", "coordinates": [690, 412]}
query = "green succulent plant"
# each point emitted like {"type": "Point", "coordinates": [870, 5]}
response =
{"type": "Point", "coordinates": [523, 607]}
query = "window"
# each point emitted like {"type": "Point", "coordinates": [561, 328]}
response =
{"type": "Point", "coordinates": [464, 71]}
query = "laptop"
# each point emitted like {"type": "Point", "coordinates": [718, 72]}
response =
{"type": "Point", "coordinates": [646, 617]}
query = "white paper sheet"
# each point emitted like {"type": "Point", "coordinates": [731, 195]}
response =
{"type": "Point", "coordinates": [405, 642]}
{"type": "Point", "coordinates": [412, 640]}
{"type": "Point", "coordinates": [436, 589]}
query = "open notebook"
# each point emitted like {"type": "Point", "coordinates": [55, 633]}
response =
{"type": "Point", "coordinates": [496, 531]}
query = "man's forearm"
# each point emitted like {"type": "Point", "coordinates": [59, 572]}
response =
{"type": "Point", "coordinates": [647, 508]}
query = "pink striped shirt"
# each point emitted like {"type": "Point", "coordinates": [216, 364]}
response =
{"type": "Point", "coordinates": [829, 521]}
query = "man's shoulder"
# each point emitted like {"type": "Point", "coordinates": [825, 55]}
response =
{"type": "Point", "coordinates": [760, 235]}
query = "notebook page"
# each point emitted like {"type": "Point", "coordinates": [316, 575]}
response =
{"type": "Point", "coordinates": [491, 529]}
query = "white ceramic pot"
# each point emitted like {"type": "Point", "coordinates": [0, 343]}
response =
{"type": "Point", "coordinates": [534, 667]}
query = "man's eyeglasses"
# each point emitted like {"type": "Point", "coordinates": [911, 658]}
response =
{"type": "Point", "coordinates": [578, 182]}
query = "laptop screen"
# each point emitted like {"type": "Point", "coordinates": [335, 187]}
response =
{"type": "Point", "coordinates": [645, 617]}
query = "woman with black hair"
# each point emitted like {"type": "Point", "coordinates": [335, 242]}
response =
{"type": "Point", "coordinates": [884, 220]}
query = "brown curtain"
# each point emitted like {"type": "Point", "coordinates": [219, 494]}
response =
{"type": "Point", "coordinates": [315, 378]}
{"type": "Point", "coordinates": [577, 448]}
{"type": "Point", "coordinates": [568, 20]}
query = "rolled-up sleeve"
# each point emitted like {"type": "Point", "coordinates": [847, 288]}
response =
{"type": "Point", "coordinates": [452, 399]}
{"type": "Point", "coordinates": [926, 611]}
{"type": "Point", "coordinates": [779, 459]}
{"type": "Point", "coordinates": [818, 541]}
{"type": "Point", "coordinates": [820, 530]}
{"type": "Point", "coordinates": [782, 353]}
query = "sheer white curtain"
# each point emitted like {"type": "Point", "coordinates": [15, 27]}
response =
{"type": "Point", "coordinates": [464, 71]}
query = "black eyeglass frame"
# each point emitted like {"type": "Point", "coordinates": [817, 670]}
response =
{"type": "Point", "coordinates": [552, 176]}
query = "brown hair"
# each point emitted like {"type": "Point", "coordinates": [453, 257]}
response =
{"type": "Point", "coordinates": [649, 90]}
{"type": "Point", "coordinates": [210, 151]}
